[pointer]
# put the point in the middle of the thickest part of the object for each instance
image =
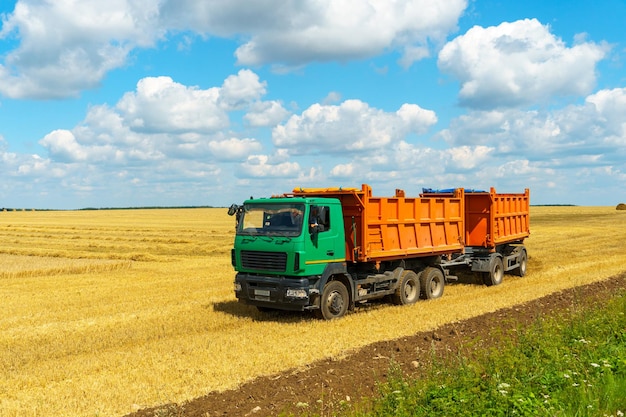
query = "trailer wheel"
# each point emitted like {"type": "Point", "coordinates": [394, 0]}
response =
{"type": "Point", "coordinates": [431, 283]}
{"type": "Point", "coordinates": [522, 260]}
{"type": "Point", "coordinates": [334, 301]}
{"type": "Point", "coordinates": [496, 272]}
{"type": "Point", "coordinates": [409, 289]}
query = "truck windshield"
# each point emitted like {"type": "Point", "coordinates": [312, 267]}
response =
{"type": "Point", "coordinates": [271, 219]}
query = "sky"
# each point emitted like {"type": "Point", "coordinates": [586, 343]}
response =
{"type": "Point", "coordinates": [135, 103]}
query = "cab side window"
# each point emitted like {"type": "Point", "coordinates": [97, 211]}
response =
{"type": "Point", "coordinates": [320, 215]}
{"type": "Point", "coordinates": [325, 217]}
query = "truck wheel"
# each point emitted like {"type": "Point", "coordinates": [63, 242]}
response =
{"type": "Point", "coordinates": [496, 272]}
{"type": "Point", "coordinates": [431, 283]}
{"type": "Point", "coordinates": [522, 260]}
{"type": "Point", "coordinates": [409, 289]}
{"type": "Point", "coordinates": [334, 301]}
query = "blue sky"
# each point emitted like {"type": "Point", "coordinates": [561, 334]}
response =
{"type": "Point", "coordinates": [194, 102]}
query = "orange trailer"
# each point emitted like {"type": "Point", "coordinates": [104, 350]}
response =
{"type": "Point", "coordinates": [493, 219]}
{"type": "Point", "coordinates": [495, 228]}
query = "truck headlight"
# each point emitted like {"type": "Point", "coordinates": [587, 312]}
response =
{"type": "Point", "coordinates": [237, 287]}
{"type": "Point", "coordinates": [296, 293]}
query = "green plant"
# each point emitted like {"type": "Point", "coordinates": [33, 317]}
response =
{"type": "Point", "coordinates": [573, 364]}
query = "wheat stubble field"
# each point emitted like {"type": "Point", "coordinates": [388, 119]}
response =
{"type": "Point", "coordinates": [108, 312]}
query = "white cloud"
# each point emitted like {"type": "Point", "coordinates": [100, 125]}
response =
{"type": "Point", "coordinates": [296, 33]}
{"type": "Point", "coordinates": [413, 54]}
{"type": "Point", "coordinates": [234, 149]}
{"type": "Point", "coordinates": [267, 113]}
{"type": "Point", "coordinates": [506, 131]}
{"type": "Point", "coordinates": [416, 119]}
{"type": "Point", "coordinates": [592, 134]}
{"type": "Point", "coordinates": [41, 170]}
{"type": "Point", "coordinates": [161, 105]}
{"type": "Point", "coordinates": [518, 63]}
{"type": "Point", "coordinates": [350, 126]}
{"type": "Point", "coordinates": [343, 30]}
{"type": "Point", "coordinates": [135, 152]}
{"type": "Point", "coordinates": [67, 46]}
{"type": "Point", "coordinates": [63, 146]}
{"type": "Point", "coordinates": [412, 166]}
{"type": "Point", "coordinates": [465, 157]}
{"type": "Point", "coordinates": [161, 131]}
{"type": "Point", "coordinates": [342, 171]}
{"type": "Point", "coordinates": [240, 90]}
{"type": "Point", "coordinates": [332, 97]}
{"type": "Point", "coordinates": [611, 104]}
{"type": "Point", "coordinates": [520, 167]}
{"type": "Point", "coordinates": [262, 166]}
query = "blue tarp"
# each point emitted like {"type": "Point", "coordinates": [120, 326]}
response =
{"type": "Point", "coordinates": [449, 191]}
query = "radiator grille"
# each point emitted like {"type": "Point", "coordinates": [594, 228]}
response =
{"type": "Point", "coordinates": [266, 261]}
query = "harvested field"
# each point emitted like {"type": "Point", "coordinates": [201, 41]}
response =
{"type": "Point", "coordinates": [110, 312]}
{"type": "Point", "coordinates": [16, 266]}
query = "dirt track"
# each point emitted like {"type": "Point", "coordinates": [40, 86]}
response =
{"type": "Point", "coordinates": [355, 376]}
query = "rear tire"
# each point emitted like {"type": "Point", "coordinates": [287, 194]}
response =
{"type": "Point", "coordinates": [408, 291]}
{"type": "Point", "coordinates": [496, 272]}
{"type": "Point", "coordinates": [334, 301]}
{"type": "Point", "coordinates": [431, 283]}
{"type": "Point", "coordinates": [522, 260]}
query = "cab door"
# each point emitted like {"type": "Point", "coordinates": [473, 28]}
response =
{"type": "Point", "coordinates": [323, 244]}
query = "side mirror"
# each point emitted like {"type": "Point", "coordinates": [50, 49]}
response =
{"type": "Point", "coordinates": [234, 208]}
{"type": "Point", "coordinates": [237, 210]}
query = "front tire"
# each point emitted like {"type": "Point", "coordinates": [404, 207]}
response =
{"type": "Point", "coordinates": [431, 283]}
{"type": "Point", "coordinates": [408, 291]}
{"type": "Point", "coordinates": [334, 301]}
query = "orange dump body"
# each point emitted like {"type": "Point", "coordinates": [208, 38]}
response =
{"type": "Point", "coordinates": [387, 228]}
{"type": "Point", "coordinates": [493, 219]}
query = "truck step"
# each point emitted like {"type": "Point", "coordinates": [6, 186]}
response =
{"type": "Point", "coordinates": [452, 278]}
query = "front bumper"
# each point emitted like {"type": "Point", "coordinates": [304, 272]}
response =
{"type": "Point", "coordinates": [283, 293]}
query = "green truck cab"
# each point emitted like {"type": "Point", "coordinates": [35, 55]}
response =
{"type": "Point", "coordinates": [285, 250]}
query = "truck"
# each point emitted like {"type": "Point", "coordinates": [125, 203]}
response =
{"type": "Point", "coordinates": [326, 250]}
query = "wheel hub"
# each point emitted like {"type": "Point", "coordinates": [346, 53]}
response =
{"type": "Point", "coordinates": [335, 302]}
{"type": "Point", "coordinates": [410, 290]}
